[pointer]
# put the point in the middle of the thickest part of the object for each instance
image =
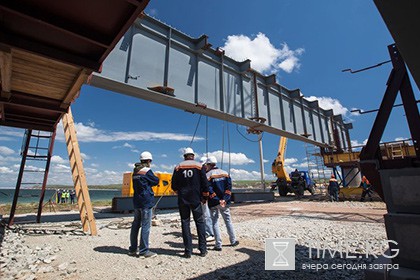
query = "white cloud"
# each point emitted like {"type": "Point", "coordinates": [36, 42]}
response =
{"type": "Point", "coordinates": [91, 170]}
{"type": "Point", "coordinates": [327, 103]}
{"type": "Point", "coordinates": [164, 155]}
{"type": "Point", "coordinates": [13, 132]}
{"type": "Point", "coordinates": [84, 156]}
{"type": "Point", "coordinates": [88, 133]}
{"type": "Point", "coordinates": [94, 165]}
{"type": "Point", "coordinates": [402, 139]}
{"type": "Point", "coordinates": [167, 167]}
{"type": "Point", "coordinates": [356, 143]}
{"type": "Point", "coordinates": [58, 159]}
{"type": "Point", "coordinates": [125, 145]}
{"type": "Point", "coordinates": [105, 177]}
{"type": "Point", "coordinates": [235, 158]}
{"type": "Point", "coordinates": [264, 57]}
{"type": "Point", "coordinates": [241, 174]}
{"type": "Point", "coordinates": [289, 161]}
{"type": "Point", "coordinates": [5, 170]}
{"type": "Point", "coordinates": [6, 151]}
{"type": "Point", "coordinates": [9, 159]}
{"type": "Point", "coordinates": [61, 168]}
{"type": "Point", "coordinates": [34, 168]}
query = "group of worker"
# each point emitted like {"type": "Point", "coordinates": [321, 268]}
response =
{"type": "Point", "coordinates": [203, 189]}
{"type": "Point", "coordinates": [65, 196]}
{"type": "Point", "coordinates": [334, 188]}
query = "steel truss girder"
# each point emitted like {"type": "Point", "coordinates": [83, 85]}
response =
{"type": "Point", "coordinates": [192, 76]}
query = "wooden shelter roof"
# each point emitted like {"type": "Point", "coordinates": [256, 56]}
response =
{"type": "Point", "coordinates": [49, 48]}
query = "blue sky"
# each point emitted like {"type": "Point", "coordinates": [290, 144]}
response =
{"type": "Point", "coordinates": [306, 43]}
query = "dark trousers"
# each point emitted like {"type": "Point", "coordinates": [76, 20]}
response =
{"type": "Point", "coordinates": [366, 192]}
{"type": "Point", "coordinates": [185, 213]}
{"type": "Point", "coordinates": [333, 195]}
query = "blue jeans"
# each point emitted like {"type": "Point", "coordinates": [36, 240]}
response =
{"type": "Point", "coordinates": [207, 220]}
{"type": "Point", "coordinates": [225, 211]}
{"type": "Point", "coordinates": [143, 218]}
{"type": "Point", "coordinates": [185, 213]}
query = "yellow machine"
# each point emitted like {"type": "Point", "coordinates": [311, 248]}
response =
{"type": "Point", "coordinates": [278, 167]}
{"type": "Point", "coordinates": [162, 189]}
{"type": "Point", "coordinates": [350, 159]}
{"type": "Point", "coordinates": [300, 180]}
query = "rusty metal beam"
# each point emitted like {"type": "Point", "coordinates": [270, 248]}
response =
{"type": "Point", "coordinates": [370, 158]}
{"type": "Point", "coordinates": [20, 176]}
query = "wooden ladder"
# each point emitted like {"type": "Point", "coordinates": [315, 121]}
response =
{"type": "Point", "coordinates": [78, 174]}
{"type": "Point", "coordinates": [397, 151]}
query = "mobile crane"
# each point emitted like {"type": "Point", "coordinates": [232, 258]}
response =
{"type": "Point", "coordinates": [296, 183]}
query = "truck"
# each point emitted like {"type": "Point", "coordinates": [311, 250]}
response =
{"type": "Point", "coordinates": [296, 182]}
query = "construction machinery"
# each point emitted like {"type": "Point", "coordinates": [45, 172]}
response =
{"type": "Point", "coordinates": [166, 198]}
{"type": "Point", "coordinates": [297, 182]}
{"type": "Point", "coordinates": [348, 161]}
{"type": "Point", "coordinates": [161, 189]}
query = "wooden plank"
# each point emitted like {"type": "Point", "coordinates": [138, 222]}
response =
{"type": "Point", "coordinates": [6, 73]}
{"type": "Point", "coordinates": [37, 89]}
{"type": "Point", "coordinates": [2, 118]}
{"type": "Point", "coordinates": [43, 80]}
{"type": "Point", "coordinates": [43, 61]}
{"type": "Point", "coordinates": [74, 90]}
{"type": "Point", "coordinates": [71, 139]}
{"type": "Point", "coordinates": [42, 74]}
{"type": "Point", "coordinates": [30, 67]}
{"type": "Point", "coordinates": [80, 204]}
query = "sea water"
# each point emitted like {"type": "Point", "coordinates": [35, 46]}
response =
{"type": "Point", "coordinates": [33, 195]}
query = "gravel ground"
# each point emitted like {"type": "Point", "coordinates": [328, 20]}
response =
{"type": "Point", "coordinates": [60, 250]}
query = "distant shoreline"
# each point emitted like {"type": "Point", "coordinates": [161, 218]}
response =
{"type": "Point", "coordinates": [95, 187]}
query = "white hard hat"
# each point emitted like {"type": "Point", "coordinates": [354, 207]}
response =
{"type": "Point", "coordinates": [212, 160]}
{"type": "Point", "coordinates": [188, 151]}
{"type": "Point", "coordinates": [146, 156]}
{"type": "Point", "coordinates": [203, 160]}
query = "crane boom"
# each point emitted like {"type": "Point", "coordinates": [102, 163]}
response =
{"type": "Point", "coordinates": [278, 167]}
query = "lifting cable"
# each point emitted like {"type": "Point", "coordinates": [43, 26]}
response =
{"type": "Point", "coordinates": [207, 136]}
{"type": "Point", "coordinates": [196, 127]}
{"type": "Point", "coordinates": [228, 137]}
{"type": "Point", "coordinates": [259, 136]}
{"type": "Point", "coordinates": [223, 144]}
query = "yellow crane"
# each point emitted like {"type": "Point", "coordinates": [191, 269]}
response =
{"type": "Point", "coordinates": [297, 182]}
{"type": "Point", "coordinates": [278, 167]}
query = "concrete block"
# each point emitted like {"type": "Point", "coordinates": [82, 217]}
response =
{"type": "Point", "coordinates": [123, 204]}
{"type": "Point", "coordinates": [401, 189]}
{"type": "Point", "coordinates": [252, 196]}
{"type": "Point", "coordinates": [405, 230]}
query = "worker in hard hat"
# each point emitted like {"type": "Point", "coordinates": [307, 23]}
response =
{"type": "Point", "coordinates": [190, 183]}
{"type": "Point", "coordinates": [367, 189]}
{"type": "Point", "coordinates": [206, 210]}
{"type": "Point", "coordinates": [333, 188]}
{"type": "Point", "coordinates": [143, 201]}
{"type": "Point", "coordinates": [220, 195]}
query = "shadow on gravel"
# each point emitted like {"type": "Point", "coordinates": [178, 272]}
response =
{"type": "Point", "coordinates": [111, 250]}
{"type": "Point", "coordinates": [170, 252]}
{"type": "Point", "coordinates": [322, 268]}
{"type": "Point", "coordinates": [64, 217]}
{"type": "Point", "coordinates": [173, 233]}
